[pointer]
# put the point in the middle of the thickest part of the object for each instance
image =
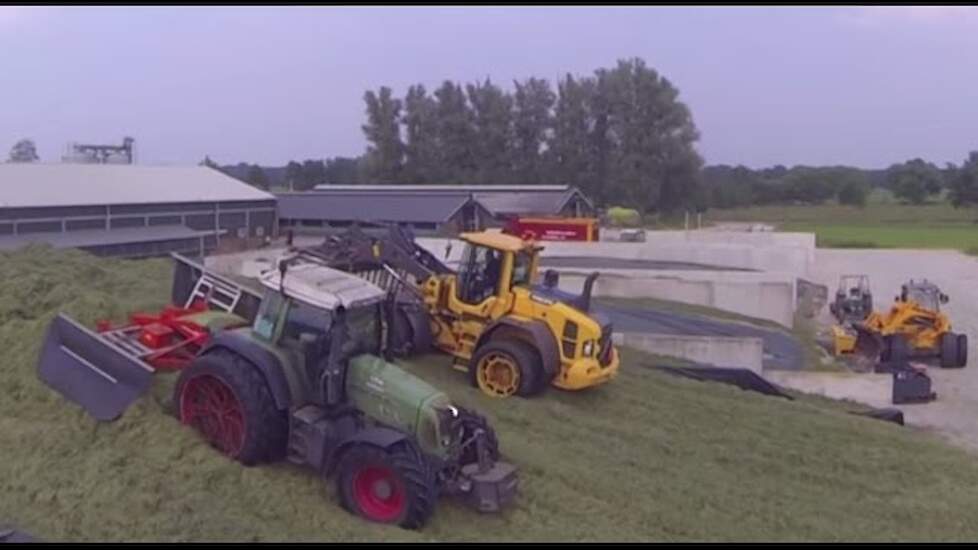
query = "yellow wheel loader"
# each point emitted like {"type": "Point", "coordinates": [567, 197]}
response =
{"type": "Point", "coordinates": [913, 328]}
{"type": "Point", "coordinates": [513, 335]}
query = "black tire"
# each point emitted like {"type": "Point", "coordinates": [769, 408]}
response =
{"type": "Point", "coordinates": [949, 350]}
{"type": "Point", "coordinates": [470, 422]}
{"type": "Point", "coordinates": [266, 428]}
{"type": "Point", "coordinates": [895, 348]}
{"type": "Point", "coordinates": [962, 350]}
{"type": "Point", "coordinates": [409, 474]}
{"type": "Point", "coordinates": [522, 354]}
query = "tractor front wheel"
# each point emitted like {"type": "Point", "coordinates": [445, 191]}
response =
{"type": "Point", "coordinates": [387, 486]}
{"type": "Point", "coordinates": [226, 399]}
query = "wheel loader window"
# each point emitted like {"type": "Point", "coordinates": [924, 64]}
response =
{"type": "Point", "coordinates": [478, 274]}
{"type": "Point", "coordinates": [521, 270]}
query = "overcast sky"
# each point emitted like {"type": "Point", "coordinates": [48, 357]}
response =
{"type": "Point", "coordinates": [865, 86]}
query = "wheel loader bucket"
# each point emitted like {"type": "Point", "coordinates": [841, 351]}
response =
{"type": "Point", "coordinates": [89, 371]}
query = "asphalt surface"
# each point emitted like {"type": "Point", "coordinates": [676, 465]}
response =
{"type": "Point", "coordinates": [598, 262]}
{"type": "Point", "coordinates": [781, 350]}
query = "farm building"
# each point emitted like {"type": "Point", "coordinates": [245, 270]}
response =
{"type": "Point", "coordinates": [434, 208]}
{"type": "Point", "coordinates": [130, 210]}
{"type": "Point", "coordinates": [444, 213]}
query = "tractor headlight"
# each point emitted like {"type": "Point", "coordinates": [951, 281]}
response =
{"type": "Point", "coordinates": [588, 348]}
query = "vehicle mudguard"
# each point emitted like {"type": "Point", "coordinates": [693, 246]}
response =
{"type": "Point", "coordinates": [537, 332]}
{"type": "Point", "coordinates": [378, 436]}
{"type": "Point", "coordinates": [265, 361]}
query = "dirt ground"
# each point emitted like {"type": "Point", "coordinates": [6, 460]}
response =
{"type": "Point", "coordinates": [953, 413]}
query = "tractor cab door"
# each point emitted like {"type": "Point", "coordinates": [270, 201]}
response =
{"type": "Point", "coordinates": [304, 336]}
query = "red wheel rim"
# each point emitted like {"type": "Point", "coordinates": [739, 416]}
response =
{"type": "Point", "coordinates": [379, 493]}
{"type": "Point", "coordinates": [209, 405]}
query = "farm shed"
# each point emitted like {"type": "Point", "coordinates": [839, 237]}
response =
{"type": "Point", "coordinates": [129, 210]}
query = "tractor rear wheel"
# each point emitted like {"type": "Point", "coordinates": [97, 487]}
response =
{"type": "Point", "coordinates": [951, 352]}
{"type": "Point", "coordinates": [227, 400]}
{"type": "Point", "coordinates": [501, 368]}
{"type": "Point", "coordinates": [387, 486]}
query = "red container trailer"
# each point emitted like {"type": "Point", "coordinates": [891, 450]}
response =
{"type": "Point", "coordinates": [553, 229]}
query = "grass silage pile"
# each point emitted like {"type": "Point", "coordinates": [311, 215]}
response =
{"type": "Point", "coordinates": [647, 457]}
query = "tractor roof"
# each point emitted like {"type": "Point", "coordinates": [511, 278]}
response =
{"type": "Point", "coordinates": [323, 287]}
{"type": "Point", "coordinates": [498, 241]}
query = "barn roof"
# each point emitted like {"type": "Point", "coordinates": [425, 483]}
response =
{"type": "Point", "coordinates": [388, 206]}
{"type": "Point", "coordinates": [40, 185]}
{"type": "Point", "coordinates": [499, 200]}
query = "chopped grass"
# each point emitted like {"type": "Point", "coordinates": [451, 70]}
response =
{"type": "Point", "coordinates": [647, 457]}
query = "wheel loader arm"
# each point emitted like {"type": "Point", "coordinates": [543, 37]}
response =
{"type": "Point", "coordinates": [355, 249]}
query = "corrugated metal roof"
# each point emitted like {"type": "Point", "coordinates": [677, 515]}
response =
{"type": "Point", "coordinates": [497, 199]}
{"type": "Point", "coordinates": [33, 184]}
{"type": "Point", "coordinates": [98, 237]}
{"type": "Point", "coordinates": [388, 207]}
{"type": "Point", "coordinates": [443, 188]}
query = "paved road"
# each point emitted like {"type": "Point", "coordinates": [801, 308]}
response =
{"type": "Point", "coordinates": [781, 350]}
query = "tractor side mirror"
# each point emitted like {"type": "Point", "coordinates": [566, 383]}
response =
{"type": "Point", "coordinates": [944, 298]}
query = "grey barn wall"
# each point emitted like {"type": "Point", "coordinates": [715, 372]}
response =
{"type": "Point", "coordinates": [257, 218]}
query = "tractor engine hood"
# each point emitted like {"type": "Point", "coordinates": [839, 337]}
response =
{"type": "Point", "coordinates": [395, 397]}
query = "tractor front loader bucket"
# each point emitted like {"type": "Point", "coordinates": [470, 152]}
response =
{"type": "Point", "coordinates": [90, 371]}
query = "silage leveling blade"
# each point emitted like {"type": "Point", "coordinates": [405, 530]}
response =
{"type": "Point", "coordinates": [88, 370]}
{"type": "Point", "coordinates": [106, 370]}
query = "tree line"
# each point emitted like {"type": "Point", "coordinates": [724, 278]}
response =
{"type": "Point", "coordinates": [620, 134]}
{"type": "Point", "coordinates": [914, 182]}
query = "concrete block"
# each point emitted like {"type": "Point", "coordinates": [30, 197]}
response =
{"type": "Point", "coordinates": [875, 390]}
{"type": "Point", "coordinates": [719, 351]}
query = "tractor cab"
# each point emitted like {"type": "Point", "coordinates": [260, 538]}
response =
{"type": "Point", "coordinates": [302, 303]}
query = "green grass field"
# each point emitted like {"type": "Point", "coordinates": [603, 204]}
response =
{"type": "Point", "coordinates": [883, 223]}
{"type": "Point", "coordinates": [648, 457]}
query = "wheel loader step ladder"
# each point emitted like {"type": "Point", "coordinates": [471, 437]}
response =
{"type": "Point", "coordinates": [216, 293]}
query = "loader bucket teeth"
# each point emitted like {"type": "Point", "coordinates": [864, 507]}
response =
{"type": "Point", "coordinates": [89, 371]}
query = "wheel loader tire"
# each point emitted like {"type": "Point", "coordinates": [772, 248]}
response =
{"type": "Point", "coordinates": [392, 486]}
{"type": "Point", "coordinates": [950, 354]}
{"type": "Point", "coordinates": [501, 368]}
{"type": "Point", "coordinates": [962, 350]}
{"type": "Point", "coordinates": [226, 399]}
{"type": "Point", "coordinates": [895, 348]}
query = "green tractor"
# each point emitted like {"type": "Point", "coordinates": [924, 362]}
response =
{"type": "Point", "coordinates": [307, 380]}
